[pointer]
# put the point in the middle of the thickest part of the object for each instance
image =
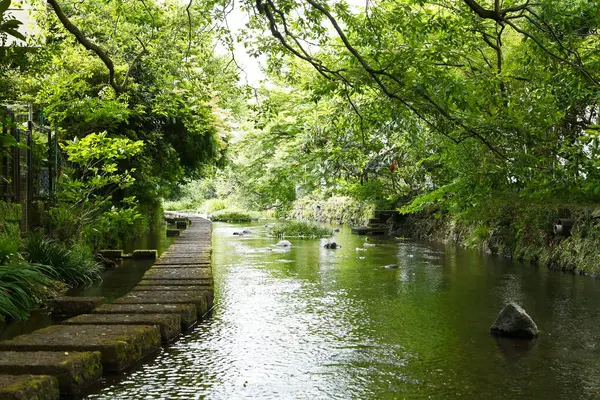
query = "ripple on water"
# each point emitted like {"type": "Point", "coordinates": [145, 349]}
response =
{"type": "Point", "coordinates": [316, 324]}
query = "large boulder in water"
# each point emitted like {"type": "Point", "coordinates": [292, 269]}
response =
{"type": "Point", "coordinates": [284, 243]}
{"type": "Point", "coordinates": [513, 321]}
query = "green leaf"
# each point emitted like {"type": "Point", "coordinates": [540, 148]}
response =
{"type": "Point", "coordinates": [4, 4]}
{"type": "Point", "coordinates": [16, 34]}
{"type": "Point", "coordinates": [10, 24]}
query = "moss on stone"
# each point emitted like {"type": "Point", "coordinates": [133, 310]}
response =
{"type": "Point", "coordinates": [169, 324]}
{"type": "Point", "coordinates": [200, 299]}
{"type": "Point", "coordinates": [74, 370]}
{"type": "Point", "coordinates": [28, 387]}
{"type": "Point", "coordinates": [187, 312]}
{"type": "Point", "coordinates": [119, 345]}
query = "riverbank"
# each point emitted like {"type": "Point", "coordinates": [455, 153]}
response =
{"type": "Point", "coordinates": [172, 295]}
{"type": "Point", "coordinates": [521, 232]}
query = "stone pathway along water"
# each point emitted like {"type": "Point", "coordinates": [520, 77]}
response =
{"type": "Point", "coordinates": [64, 359]}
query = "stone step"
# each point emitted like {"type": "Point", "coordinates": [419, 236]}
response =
{"type": "Point", "coordinates": [177, 273]}
{"type": "Point", "coordinates": [119, 345]}
{"type": "Point", "coordinates": [69, 306]}
{"type": "Point", "coordinates": [28, 387]}
{"type": "Point", "coordinates": [195, 265]}
{"type": "Point", "coordinates": [144, 254]}
{"type": "Point", "coordinates": [170, 260]}
{"type": "Point", "coordinates": [169, 324]}
{"type": "Point", "coordinates": [187, 312]}
{"type": "Point", "coordinates": [74, 371]}
{"type": "Point", "coordinates": [172, 288]}
{"type": "Point", "coordinates": [175, 282]}
{"type": "Point", "coordinates": [201, 299]}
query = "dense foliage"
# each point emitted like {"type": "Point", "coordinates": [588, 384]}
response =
{"type": "Point", "coordinates": [476, 109]}
{"type": "Point", "coordinates": [417, 103]}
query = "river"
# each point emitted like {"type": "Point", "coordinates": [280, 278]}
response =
{"type": "Point", "coordinates": [314, 323]}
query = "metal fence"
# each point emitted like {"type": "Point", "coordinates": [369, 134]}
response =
{"type": "Point", "coordinates": [28, 162]}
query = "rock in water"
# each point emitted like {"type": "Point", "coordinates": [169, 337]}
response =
{"type": "Point", "coordinates": [332, 245]}
{"type": "Point", "coordinates": [283, 243]}
{"type": "Point", "coordinates": [513, 321]}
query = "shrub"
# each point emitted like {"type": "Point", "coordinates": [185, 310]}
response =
{"type": "Point", "coordinates": [9, 248]}
{"type": "Point", "coordinates": [23, 287]}
{"type": "Point", "coordinates": [74, 265]}
{"type": "Point", "coordinates": [299, 229]}
{"type": "Point", "coordinates": [233, 216]}
{"type": "Point", "coordinates": [213, 205]}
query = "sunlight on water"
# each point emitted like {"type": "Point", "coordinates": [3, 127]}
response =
{"type": "Point", "coordinates": [313, 323]}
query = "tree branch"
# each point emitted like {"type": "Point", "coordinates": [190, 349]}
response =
{"type": "Point", "coordinates": [88, 44]}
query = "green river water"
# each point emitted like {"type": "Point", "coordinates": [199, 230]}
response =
{"type": "Point", "coordinates": [313, 323]}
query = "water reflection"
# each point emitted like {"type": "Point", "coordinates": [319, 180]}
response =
{"type": "Point", "coordinates": [313, 323]}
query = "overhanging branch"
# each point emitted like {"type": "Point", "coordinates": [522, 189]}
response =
{"type": "Point", "coordinates": [88, 44]}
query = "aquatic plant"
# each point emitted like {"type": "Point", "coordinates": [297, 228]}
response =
{"type": "Point", "coordinates": [299, 229]}
{"type": "Point", "coordinates": [74, 265]}
{"type": "Point", "coordinates": [229, 215]}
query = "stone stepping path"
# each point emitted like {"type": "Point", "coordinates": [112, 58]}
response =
{"type": "Point", "coordinates": [199, 299]}
{"type": "Point", "coordinates": [119, 345]}
{"type": "Point", "coordinates": [178, 273]}
{"type": "Point", "coordinates": [168, 324]}
{"type": "Point", "coordinates": [186, 312]}
{"type": "Point", "coordinates": [22, 387]}
{"type": "Point", "coordinates": [64, 359]}
{"type": "Point", "coordinates": [175, 282]}
{"type": "Point", "coordinates": [72, 370]}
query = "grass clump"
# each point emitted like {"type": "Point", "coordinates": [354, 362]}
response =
{"type": "Point", "coordinates": [212, 205]}
{"type": "Point", "coordinates": [74, 265]}
{"type": "Point", "coordinates": [23, 287]}
{"type": "Point", "coordinates": [229, 215]}
{"type": "Point", "coordinates": [299, 229]}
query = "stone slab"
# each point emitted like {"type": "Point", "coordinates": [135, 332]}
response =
{"type": "Point", "coordinates": [173, 232]}
{"type": "Point", "coordinates": [144, 254]}
{"type": "Point", "coordinates": [28, 387]}
{"type": "Point", "coordinates": [186, 258]}
{"type": "Point", "coordinates": [199, 299]}
{"type": "Point", "coordinates": [199, 265]}
{"type": "Point", "coordinates": [74, 371]}
{"type": "Point", "coordinates": [178, 273]}
{"type": "Point", "coordinates": [172, 260]}
{"type": "Point", "coordinates": [187, 312]}
{"type": "Point", "coordinates": [175, 282]}
{"type": "Point", "coordinates": [181, 224]}
{"type": "Point", "coordinates": [163, 288]}
{"type": "Point", "coordinates": [119, 345]}
{"type": "Point", "coordinates": [106, 253]}
{"type": "Point", "coordinates": [169, 324]}
{"type": "Point", "coordinates": [187, 251]}
{"type": "Point", "coordinates": [68, 306]}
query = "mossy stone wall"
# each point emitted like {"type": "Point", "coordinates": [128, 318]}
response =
{"type": "Point", "coordinates": [524, 232]}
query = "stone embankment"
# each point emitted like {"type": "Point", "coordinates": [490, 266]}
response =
{"type": "Point", "coordinates": [64, 359]}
